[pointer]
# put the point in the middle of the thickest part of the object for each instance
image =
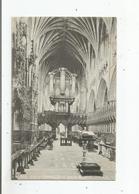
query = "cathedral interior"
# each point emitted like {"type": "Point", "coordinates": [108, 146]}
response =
{"type": "Point", "coordinates": [63, 96]}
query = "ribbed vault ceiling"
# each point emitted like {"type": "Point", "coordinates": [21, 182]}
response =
{"type": "Point", "coordinates": [68, 41]}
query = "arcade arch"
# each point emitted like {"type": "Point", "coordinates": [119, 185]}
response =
{"type": "Point", "coordinates": [112, 90]}
{"type": "Point", "coordinates": [102, 94]}
{"type": "Point", "coordinates": [91, 104]}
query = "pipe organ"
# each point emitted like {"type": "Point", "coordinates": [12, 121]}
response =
{"type": "Point", "coordinates": [62, 86]}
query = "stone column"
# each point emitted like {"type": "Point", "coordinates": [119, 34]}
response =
{"type": "Point", "coordinates": [73, 84]}
{"type": "Point", "coordinates": [62, 80]}
{"type": "Point", "coordinates": [51, 83]}
{"type": "Point", "coordinates": [30, 75]}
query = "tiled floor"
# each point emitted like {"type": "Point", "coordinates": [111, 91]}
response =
{"type": "Point", "coordinates": [60, 164]}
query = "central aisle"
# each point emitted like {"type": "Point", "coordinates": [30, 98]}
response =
{"type": "Point", "coordinates": [60, 164]}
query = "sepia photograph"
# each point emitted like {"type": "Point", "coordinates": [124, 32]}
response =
{"type": "Point", "coordinates": [63, 98]}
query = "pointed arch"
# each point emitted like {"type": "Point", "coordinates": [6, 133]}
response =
{"type": "Point", "coordinates": [91, 105]}
{"type": "Point", "coordinates": [102, 94]}
{"type": "Point", "coordinates": [112, 89]}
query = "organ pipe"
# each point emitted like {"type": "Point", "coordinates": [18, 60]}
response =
{"type": "Point", "coordinates": [51, 83]}
{"type": "Point", "coordinates": [62, 81]}
{"type": "Point", "coordinates": [73, 84]}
